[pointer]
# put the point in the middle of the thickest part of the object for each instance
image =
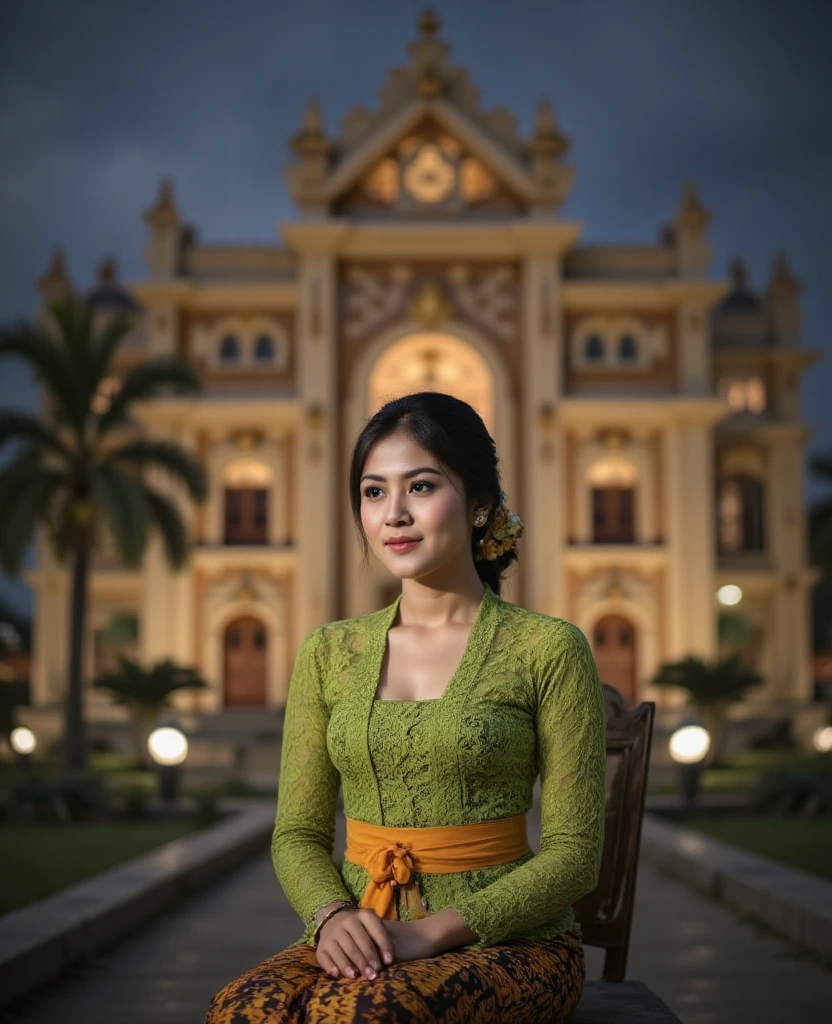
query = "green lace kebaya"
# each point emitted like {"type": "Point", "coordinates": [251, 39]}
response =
{"type": "Point", "coordinates": [524, 700]}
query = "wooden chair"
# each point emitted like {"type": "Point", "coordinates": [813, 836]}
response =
{"type": "Point", "coordinates": [606, 914]}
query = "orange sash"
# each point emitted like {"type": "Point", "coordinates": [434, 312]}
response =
{"type": "Point", "coordinates": [391, 854]}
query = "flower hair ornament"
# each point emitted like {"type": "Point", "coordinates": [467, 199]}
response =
{"type": "Point", "coordinates": [504, 529]}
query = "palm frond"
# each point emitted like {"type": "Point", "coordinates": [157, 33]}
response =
{"type": "Point", "coordinates": [708, 682]}
{"type": "Point", "coordinates": [132, 684]}
{"type": "Point", "coordinates": [123, 500]}
{"type": "Point", "coordinates": [167, 455]}
{"type": "Point", "coordinates": [33, 490]}
{"type": "Point", "coordinates": [171, 526]}
{"type": "Point", "coordinates": [75, 321]}
{"type": "Point", "coordinates": [16, 426]}
{"type": "Point", "coordinates": [51, 364]}
{"type": "Point", "coordinates": [149, 379]}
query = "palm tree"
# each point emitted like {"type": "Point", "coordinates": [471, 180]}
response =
{"type": "Point", "coordinates": [712, 687]}
{"type": "Point", "coordinates": [146, 693]}
{"type": "Point", "coordinates": [83, 466]}
{"type": "Point", "coordinates": [820, 518]}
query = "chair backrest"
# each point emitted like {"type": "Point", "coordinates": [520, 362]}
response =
{"type": "Point", "coordinates": [606, 914]}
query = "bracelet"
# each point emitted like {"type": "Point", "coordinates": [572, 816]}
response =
{"type": "Point", "coordinates": [344, 905]}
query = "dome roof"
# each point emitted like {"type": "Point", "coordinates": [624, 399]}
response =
{"type": "Point", "coordinates": [108, 294]}
{"type": "Point", "coordinates": [741, 299]}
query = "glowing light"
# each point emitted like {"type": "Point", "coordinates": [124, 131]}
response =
{"type": "Point", "coordinates": [689, 744]}
{"type": "Point", "coordinates": [167, 745]}
{"type": "Point", "coordinates": [729, 594]}
{"type": "Point", "coordinates": [822, 739]}
{"type": "Point", "coordinates": [23, 740]}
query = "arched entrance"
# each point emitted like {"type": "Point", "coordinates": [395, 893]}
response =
{"type": "Point", "coordinates": [244, 663]}
{"type": "Point", "coordinates": [453, 358]}
{"type": "Point", "coordinates": [614, 649]}
{"type": "Point", "coordinates": [433, 361]}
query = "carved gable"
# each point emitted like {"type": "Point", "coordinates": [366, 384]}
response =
{"type": "Point", "coordinates": [429, 147]}
{"type": "Point", "coordinates": [429, 171]}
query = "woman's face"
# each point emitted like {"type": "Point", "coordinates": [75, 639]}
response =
{"type": "Point", "coordinates": [428, 506]}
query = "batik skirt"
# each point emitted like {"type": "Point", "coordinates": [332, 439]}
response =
{"type": "Point", "coordinates": [523, 981]}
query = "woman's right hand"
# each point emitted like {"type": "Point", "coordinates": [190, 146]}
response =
{"type": "Point", "coordinates": [354, 942]}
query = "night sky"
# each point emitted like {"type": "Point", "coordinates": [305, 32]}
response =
{"type": "Point", "coordinates": [99, 100]}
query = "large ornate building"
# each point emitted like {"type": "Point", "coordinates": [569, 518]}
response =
{"type": "Point", "coordinates": [647, 417]}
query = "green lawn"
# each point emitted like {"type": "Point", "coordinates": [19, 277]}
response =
{"type": "Point", "coordinates": [804, 843]}
{"type": "Point", "coordinates": [741, 771]}
{"type": "Point", "coordinates": [38, 860]}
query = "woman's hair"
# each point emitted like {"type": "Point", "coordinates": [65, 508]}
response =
{"type": "Point", "coordinates": [454, 433]}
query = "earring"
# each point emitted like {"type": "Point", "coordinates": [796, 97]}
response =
{"type": "Point", "coordinates": [481, 518]}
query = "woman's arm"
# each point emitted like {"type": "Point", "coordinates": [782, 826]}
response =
{"type": "Point", "coordinates": [571, 736]}
{"type": "Point", "coordinates": [304, 833]}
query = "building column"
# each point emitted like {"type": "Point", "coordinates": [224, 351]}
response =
{"type": "Point", "coordinates": [694, 349]}
{"type": "Point", "coordinates": [543, 506]}
{"type": "Point", "coordinates": [791, 614]}
{"type": "Point", "coordinates": [316, 468]}
{"type": "Point", "coordinates": [672, 476]}
{"type": "Point", "coordinates": [697, 541]}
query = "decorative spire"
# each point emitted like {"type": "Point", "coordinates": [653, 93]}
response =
{"type": "Point", "coordinates": [55, 284]}
{"type": "Point", "coordinates": [781, 302]}
{"type": "Point", "coordinates": [163, 213]}
{"type": "Point", "coordinates": [311, 140]}
{"type": "Point", "coordinates": [429, 55]}
{"type": "Point", "coordinates": [693, 254]}
{"type": "Point", "coordinates": [739, 274]}
{"type": "Point", "coordinates": [168, 235]}
{"type": "Point", "coordinates": [429, 23]}
{"type": "Point", "coordinates": [107, 273]}
{"type": "Point", "coordinates": [691, 213]}
{"type": "Point", "coordinates": [547, 139]}
{"type": "Point", "coordinates": [783, 286]}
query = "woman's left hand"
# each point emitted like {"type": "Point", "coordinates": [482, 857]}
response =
{"type": "Point", "coordinates": [410, 942]}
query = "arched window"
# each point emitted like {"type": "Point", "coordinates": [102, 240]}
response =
{"type": "Point", "coordinates": [594, 348]}
{"type": "Point", "coordinates": [264, 349]}
{"type": "Point", "coordinates": [741, 515]}
{"type": "Point", "coordinates": [627, 350]}
{"type": "Point", "coordinates": [744, 394]}
{"type": "Point", "coordinates": [229, 349]}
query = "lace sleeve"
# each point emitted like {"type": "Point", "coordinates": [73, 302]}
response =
{"type": "Point", "coordinates": [304, 832]}
{"type": "Point", "coordinates": [571, 738]}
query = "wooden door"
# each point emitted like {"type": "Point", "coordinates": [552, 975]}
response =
{"type": "Point", "coordinates": [245, 648]}
{"type": "Point", "coordinates": [614, 649]}
{"type": "Point", "coordinates": [612, 515]}
{"type": "Point", "coordinates": [246, 515]}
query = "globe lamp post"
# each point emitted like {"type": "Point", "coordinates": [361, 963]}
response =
{"type": "Point", "coordinates": [688, 746]}
{"type": "Point", "coordinates": [23, 741]}
{"type": "Point", "coordinates": [822, 739]}
{"type": "Point", "coordinates": [168, 747]}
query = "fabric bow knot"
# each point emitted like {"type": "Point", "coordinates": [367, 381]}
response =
{"type": "Point", "coordinates": [386, 866]}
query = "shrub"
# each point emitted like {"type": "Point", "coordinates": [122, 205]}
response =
{"type": "Point", "coordinates": [136, 803]}
{"type": "Point", "coordinates": [207, 807]}
{"type": "Point", "coordinates": [805, 791]}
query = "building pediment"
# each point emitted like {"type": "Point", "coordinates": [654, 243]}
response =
{"type": "Point", "coordinates": [432, 144]}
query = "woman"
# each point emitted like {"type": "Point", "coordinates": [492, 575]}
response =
{"type": "Point", "coordinates": [436, 715]}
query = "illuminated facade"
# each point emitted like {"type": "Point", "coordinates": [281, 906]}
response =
{"type": "Point", "coordinates": [646, 416]}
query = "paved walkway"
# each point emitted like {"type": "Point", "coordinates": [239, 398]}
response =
{"type": "Point", "coordinates": [706, 965]}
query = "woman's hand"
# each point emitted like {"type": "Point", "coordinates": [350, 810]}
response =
{"type": "Point", "coordinates": [354, 942]}
{"type": "Point", "coordinates": [410, 939]}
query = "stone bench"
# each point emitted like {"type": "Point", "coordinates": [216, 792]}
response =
{"type": "Point", "coordinates": [622, 1002]}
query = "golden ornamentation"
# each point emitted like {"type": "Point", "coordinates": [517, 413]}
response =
{"type": "Point", "coordinates": [245, 591]}
{"type": "Point", "coordinates": [430, 307]}
{"type": "Point", "coordinates": [504, 529]}
{"type": "Point", "coordinates": [429, 177]}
